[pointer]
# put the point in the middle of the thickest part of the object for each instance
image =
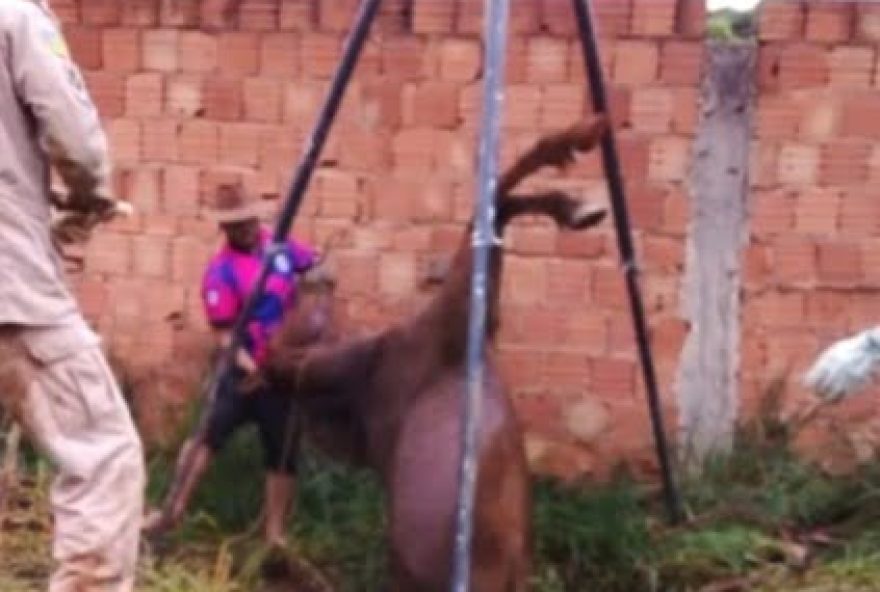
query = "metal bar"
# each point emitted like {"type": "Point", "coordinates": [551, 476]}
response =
{"type": "Point", "coordinates": [584, 18]}
{"type": "Point", "coordinates": [495, 29]}
{"type": "Point", "coordinates": [353, 47]}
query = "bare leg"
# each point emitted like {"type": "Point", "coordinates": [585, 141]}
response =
{"type": "Point", "coordinates": [192, 462]}
{"type": "Point", "coordinates": [279, 493]}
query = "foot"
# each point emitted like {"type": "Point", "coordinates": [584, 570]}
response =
{"type": "Point", "coordinates": [585, 214]}
{"type": "Point", "coordinates": [156, 522]}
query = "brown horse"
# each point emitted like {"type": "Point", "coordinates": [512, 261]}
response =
{"type": "Point", "coordinates": [393, 401]}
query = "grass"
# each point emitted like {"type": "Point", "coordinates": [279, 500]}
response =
{"type": "Point", "coordinates": [754, 515]}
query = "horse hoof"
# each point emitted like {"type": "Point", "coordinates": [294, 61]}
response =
{"type": "Point", "coordinates": [586, 215]}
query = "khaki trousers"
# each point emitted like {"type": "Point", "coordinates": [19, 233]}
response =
{"type": "Point", "coordinates": [73, 409]}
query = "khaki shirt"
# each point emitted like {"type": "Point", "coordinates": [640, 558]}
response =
{"type": "Point", "coordinates": [46, 117]}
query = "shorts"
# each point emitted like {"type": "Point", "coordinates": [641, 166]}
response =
{"type": "Point", "coordinates": [273, 412]}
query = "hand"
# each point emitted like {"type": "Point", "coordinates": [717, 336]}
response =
{"type": "Point", "coordinates": [252, 383]}
{"type": "Point", "coordinates": [79, 214]}
{"type": "Point", "coordinates": [846, 367]}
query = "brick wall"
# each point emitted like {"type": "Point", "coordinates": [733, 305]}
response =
{"type": "Point", "coordinates": [187, 107]}
{"type": "Point", "coordinates": [812, 261]}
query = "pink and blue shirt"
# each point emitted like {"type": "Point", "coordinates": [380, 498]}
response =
{"type": "Point", "coordinates": [230, 278]}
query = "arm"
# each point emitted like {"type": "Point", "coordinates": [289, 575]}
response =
{"type": "Point", "coordinates": [50, 85]}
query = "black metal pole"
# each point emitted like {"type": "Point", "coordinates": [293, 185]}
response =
{"type": "Point", "coordinates": [353, 46]}
{"type": "Point", "coordinates": [584, 17]}
{"type": "Point", "coordinates": [495, 27]}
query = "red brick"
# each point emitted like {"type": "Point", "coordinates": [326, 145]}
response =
{"type": "Point", "coordinates": [279, 55]}
{"type": "Point", "coordinates": [772, 212]}
{"type": "Point", "coordinates": [124, 137]}
{"type": "Point", "coordinates": [763, 164]}
{"type": "Point", "coordinates": [91, 295]}
{"type": "Point", "coordinates": [845, 162]}
{"type": "Point", "coordinates": [121, 50]}
{"type": "Point", "coordinates": [522, 108]}
{"type": "Point", "coordinates": [829, 23]}
{"type": "Point", "coordinates": [561, 105]}
{"type": "Point", "coordinates": [297, 15]}
{"type": "Point", "coordinates": [608, 287]}
{"type": "Point", "coordinates": [819, 118]}
{"type": "Point", "coordinates": [669, 159]}
{"type": "Point", "coordinates": [259, 15]}
{"type": "Point", "coordinates": [199, 142]}
{"type": "Point", "coordinates": [633, 152]}
{"type": "Point", "coordinates": [109, 253]}
{"type": "Point", "coordinates": [852, 66]}
{"type": "Point", "coordinates": [140, 13]}
{"type": "Point", "coordinates": [198, 52]}
{"type": "Point", "coordinates": [339, 195]}
{"type": "Point", "coordinates": [557, 17]}
{"type": "Point", "coordinates": [85, 46]}
{"type": "Point", "coordinates": [613, 17]}
{"type": "Point", "coordinates": [798, 164]}
{"type": "Point", "coordinates": [337, 16]}
{"type": "Point", "coordinates": [860, 115]}
{"type": "Point", "coordinates": [222, 98]}
{"type": "Point", "coordinates": [240, 144]}
{"type": "Point", "coordinates": [871, 260]}
{"type": "Point", "coordinates": [867, 22]}
{"type": "Point", "coordinates": [302, 101]}
{"type": "Point", "coordinates": [321, 54]}
{"type": "Point", "coordinates": [781, 21]}
{"type": "Point", "coordinates": [817, 211]}
{"type": "Point", "coordinates": [613, 378]}
{"type": "Point", "coordinates": [635, 62]}
{"type": "Point", "coordinates": [681, 62]}
{"type": "Point", "coordinates": [653, 17]}
{"type": "Point", "coordinates": [460, 60]}
{"type": "Point", "coordinates": [180, 190]}
{"type": "Point", "coordinates": [586, 331]}
{"type": "Point", "coordinates": [100, 12]}
{"type": "Point", "coordinates": [431, 104]}
{"type": "Point", "coordinates": [143, 95]}
{"type": "Point", "coordinates": [179, 13]}
{"type": "Point", "coordinates": [646, 206]}
{"type": "Point", "coordinates": [159, 141]}
{"type": "Point", "coordinates": [859, 214]}
{"type": "Point", "coordinates": [262, 100]}
{"type": "Point", "coordinates": [143, 189]}
{"type": "Point", "coordinates": [397, 274]}
{"type": "Point", "coordinates": [692, 17]}
{"type": "Point", "coordinates": [547, 60]}
{"type": "Point", "coordinates": [803, 66]}
{"type": "Point", "coordinates": [840, 263]}
{"type": "Point", "coordinates": [152, 256]}
{"type": "Point", "coordinates": [827, 309]}
{"type": "Point", "coordinates": [67, 11]}
{"type": "Point", "coordinates": [685, 110]}
{"type": "Point", "coordinates": [777, 310]}
{"type": "Point", "coordinates": [652, 110]}
{"type": "Point", "coordinates": [393, 17]}
{"type": "Point", "coordinates": [794, 259]}
{"type": "Point", "coordinates": [433, 17]}
{"type": "Point", "coordinates": [778, 117]}
{"type": "Point", "coordinates": [107, 90]}
{"type": "Point", "coordinates": [380, 104]}
{"type": "Point", "coordinates": [160, 49]}
{"type": "Point", "coordinates": [403, 58]}
{"type": "Point", "coordinates": [433, 201]}
{"type": "Point", "coordinates": [238, 53]}
{"type": "Point", "coordinates": [769, 64]}
{"type": "Point", "coordinates": [189, 256]}
{"type": "Point", "coordinates": [183, 97]}
{"type": "Point", "coordinates": [365, 150]}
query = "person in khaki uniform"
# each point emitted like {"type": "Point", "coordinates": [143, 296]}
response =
{"type": "Point", "coordinates": [54, 378]}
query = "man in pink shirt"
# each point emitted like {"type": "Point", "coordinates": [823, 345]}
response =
{"type": "Point", "coordinates": [227, 284]}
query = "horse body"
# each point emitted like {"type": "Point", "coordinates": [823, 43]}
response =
{"type": "Point", "coordinates": [394, 401]}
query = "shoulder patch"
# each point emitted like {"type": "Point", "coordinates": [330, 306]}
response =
{"type": "Point", "coordinates": [53, 39]}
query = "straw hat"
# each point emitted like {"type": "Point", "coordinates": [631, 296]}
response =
{"type": "Point", "coordinates": [232, 204]}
